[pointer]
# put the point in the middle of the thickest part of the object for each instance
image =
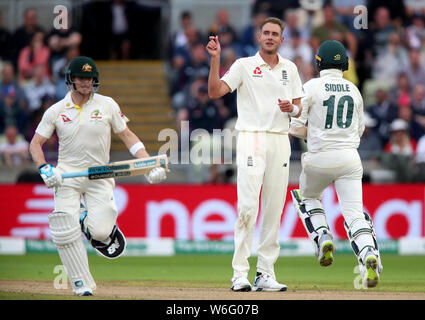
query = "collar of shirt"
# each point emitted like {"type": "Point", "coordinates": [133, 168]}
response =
{"type": "Point", "coordinates": [331, 72]}
{"type": "Point", "coordinates": [70, 104]}
{"type": "Point", "coordinates": [261, 62]}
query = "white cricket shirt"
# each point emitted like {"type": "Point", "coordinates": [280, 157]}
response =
{"type": "Point", "coordinates": [333, 112]}
{"type": "Point", "coordinates": [258, 89]}
{"type": "Point", "coordinates": [84, 133]}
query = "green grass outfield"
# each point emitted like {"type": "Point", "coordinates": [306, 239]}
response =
{"type": "Point", "coordinates": [401, 273]}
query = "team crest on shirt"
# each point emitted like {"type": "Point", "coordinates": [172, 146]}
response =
{"type": "Point", "coordinates": [96, 115]}
{"type": "Point", "coordinates": [257, 73]}
{"type": "Point", "coordinates": [284, 77]}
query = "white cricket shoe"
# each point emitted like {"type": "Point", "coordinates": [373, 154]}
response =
{"type": "Point", "coordinates": [371, 269]}
{"type": "Point", "coordinates": [265, 282]}
{"type": "Point", "coordinates": [326, 249]}
{"type": "Point", "coordinates": [83, 291]}
{"type": "Point", "coordinates": [240, 284]}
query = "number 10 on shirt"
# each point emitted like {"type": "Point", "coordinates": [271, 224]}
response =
{"type": "Point", "coordinates": [118, 169]}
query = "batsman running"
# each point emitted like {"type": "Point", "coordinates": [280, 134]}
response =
{"type": "Point", "coordinates": [83, 121]}
{"type": "Point", "coordinates": [332, 122]}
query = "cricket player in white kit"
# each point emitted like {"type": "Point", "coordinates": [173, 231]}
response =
{"type": "Point", "coordinates": [83, 121]}
{"type": "Point", "coordinates": [269, 92]}
{"type": "Point", "coordinates": [332, 121]}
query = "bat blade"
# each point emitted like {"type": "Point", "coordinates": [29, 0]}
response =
{"type": "Point", "coordinates": [127, 168]}
{"type": "Point", "coordinates": [124, 168]}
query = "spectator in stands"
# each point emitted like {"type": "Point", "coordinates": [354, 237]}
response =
{"type": "Point", "coordinates": [59, 40]}
{"type": "Point", "coordinates": [419, 167]}
{"type": "Point", "coordinates": [5, 41]}
{"type": "Point", "coordinates": [296, 48]}
{"type": "Point", "coordinates": [390, 60]}
{"type": "Point", "coordinates": [275, 8]}
{"type": "Point", "coordinates": [378, 34]}
{"type": "Point", "coordinates": [416, 130]}
{"type": "Point", "coordinates": [181, 54]}
{"type": "Point", "coordinates": [227, 40]}
{"type": "Point", "coordinates": [396, 9]}
{"type": "Point", "coordinates": [370, 147]}
{"type": "Point", "coordinates": [35, 54]}
{"type": "Point", "coordinates": [291, 24]}
{"type": "Point", "coordinates": [328, 28]}
{"type": "Point", "coordinates": [415, 71]}
{"type": "Point", "coordinates": [59, 68]}
{"type": "Point", "coordinates": [414, 6]}
{"type": "Point", "coordinates": [416, 31]}
{"type": "Point", "coordinates": [39, 88]}
{"type": "Point", "coordinates": [179, 38]}
{"type": "Point", "coordinates": [384, 112]}
{"type": "Point", "coordinates": [401, 88]}
{"type": "Point", "coordinates": [400, 151]}
{"type": "Point", "coordinates": [186, 97]}
{"type": "Point", "coordinates": [222, 22]}
{"type": "Point", "coordinates": [120, 42]}
{"type": "Point", "coordinates": [198, 66]}
{"type": "Point", "coordinates": [14, 148]}
{"type": "Point", "coordinates": [418, 99]}
{"type": "Point", "coordinates": [249, 34]}
{"type": "Point", "coordinates": [13, 102]}
{"type": "Point", "coordinates": [202, 112]}
{"type": "Point", "coordinates": [23, 35]}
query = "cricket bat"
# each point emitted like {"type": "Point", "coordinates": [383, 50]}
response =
{"type": "Point", "coordinates": [127, 168]}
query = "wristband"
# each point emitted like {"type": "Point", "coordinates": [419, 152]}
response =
{"type": "Point", "coordinates": [294, 111]}
{"type": "Point", "coordinates": [136, 147]}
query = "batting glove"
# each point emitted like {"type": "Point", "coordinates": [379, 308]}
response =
{"type": "Point", "coordinates": [51, 176]}
{"type": "Point", "coordinates": [156, 175]}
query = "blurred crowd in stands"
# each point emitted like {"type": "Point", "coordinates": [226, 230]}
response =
{"type": "Point", "coordinates": [387, 63]}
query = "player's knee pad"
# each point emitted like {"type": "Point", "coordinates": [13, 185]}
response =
{"type": "Point", "coordinates": [361, 234]}
{"type": "Point", "coordinates": [64, 228]}
{"type": "Point", "coordinates": [314, 220]}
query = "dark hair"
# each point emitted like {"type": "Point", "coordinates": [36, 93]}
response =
{"type": "Point", "coordinates": [186, 14]}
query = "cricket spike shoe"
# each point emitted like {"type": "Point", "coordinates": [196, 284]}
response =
{"type": "Point", "coordinates": [240, 284]}
{"type": "Point", "coordinates": [326, 249]}
{"type": "Point", "coordinates": [265, 282]}
{"type": "Point", "coordinates": [81, 290]}
{"type": "Point", "coordinates": [371, 269]}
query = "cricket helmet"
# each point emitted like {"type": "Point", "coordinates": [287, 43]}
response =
{"type": "Point", "coordinates": [83, 67]}
{"type": "Point", "coordinates": [332, 55]}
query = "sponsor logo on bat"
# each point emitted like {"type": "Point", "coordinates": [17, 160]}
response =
{"type": "Point", "coordinates": [145, 163]}
{"type": "Point", "coordinates": [104, 169]}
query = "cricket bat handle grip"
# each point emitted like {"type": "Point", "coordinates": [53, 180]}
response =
{"type": "Point", "coordinates": [75, 174]}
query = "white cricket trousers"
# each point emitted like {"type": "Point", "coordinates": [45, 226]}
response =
{"type": "Point", "coordinates": [99, 200]}
{"type": "Point", "coordinates": [263, 165]}
{"type": "Point", "coordinates": [344, 169]}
